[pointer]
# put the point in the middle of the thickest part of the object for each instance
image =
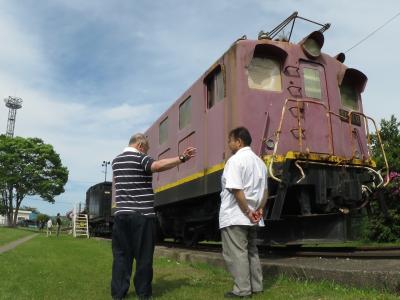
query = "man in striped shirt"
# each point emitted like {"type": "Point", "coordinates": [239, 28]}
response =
{"type": "Point", "coordinates": [134, 216]}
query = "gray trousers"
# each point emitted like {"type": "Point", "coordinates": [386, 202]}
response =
{"type": "Point", "coordinates": [241, 257]}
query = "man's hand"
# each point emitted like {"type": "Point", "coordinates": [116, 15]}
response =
{"type": "Point", "coordinates": [253, 216]}
{"type": "Point", "coordinates": [189, 153]}
{"type": "Point", "coordinates": [260, 213]}
{"type": "Point", "coordinates": [169, 163]}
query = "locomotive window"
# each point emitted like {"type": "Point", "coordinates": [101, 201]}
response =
{"type": "Point", "coordinates": [264, 74]}
{"type": "Point", "coordinates": [163, 131]}
{"type": "Point", "coordinates": [215, 87]}
{"type": "Point", "coordinates": [312, 83]}
{"type": "Point", "coordinates": [349, 96]}
{"type": "Point", "coordinates": [185, 113]}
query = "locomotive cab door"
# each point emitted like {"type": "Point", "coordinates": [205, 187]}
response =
{"type": "Point", "coordinates": [314, 117]}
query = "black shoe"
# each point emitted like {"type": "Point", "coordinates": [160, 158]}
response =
{"type": "Point", "coordinates": [233, 295]}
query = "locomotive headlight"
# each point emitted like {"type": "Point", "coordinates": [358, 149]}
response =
{"type": "Point", "coordinates": [357, 154]}
{"type": "Point", "coordinates": [270, 144]}
{"type": "Point", "coordinates": [312, 44]}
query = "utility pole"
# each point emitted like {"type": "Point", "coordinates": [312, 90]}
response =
{"type": "Point", "coordinates": [105, 164]}
{"type": "Point", "coordinates": [13, 103]}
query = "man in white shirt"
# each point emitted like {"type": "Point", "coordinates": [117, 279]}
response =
{"type": "Point", "coordinates": [49, 225]}
{"type": "Point", "coordinates": [243, 198]}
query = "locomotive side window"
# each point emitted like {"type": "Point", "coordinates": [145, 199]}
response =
{"type": "Point", "coordinates": [349, 96]}
{"type": "Point", "coordinates": [312, 83]}
{"type": "Point", "coordinates": [215, 87]}
{"type": "Point", "coordinates": [185, 113]}
{"type": "Point", "coordinates": [163, 131]}
{"type": "Point", "coordinates": [264, 74]}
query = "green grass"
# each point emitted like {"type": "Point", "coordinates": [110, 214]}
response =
{"type": "Point", "coordinates": [56, 268]}
{"type": "Point", "coordinates": [68, 268]}
{"type": "Point", "coordinates": [8, 235]}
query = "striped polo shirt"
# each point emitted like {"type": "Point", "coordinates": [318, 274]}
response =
{"type": "Point", "coordinates": [133, 183]}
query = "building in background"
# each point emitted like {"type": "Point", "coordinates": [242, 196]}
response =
{"type": "Point", "coordinates": [22, 215]}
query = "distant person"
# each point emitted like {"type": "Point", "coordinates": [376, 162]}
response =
{"type": "Point", "coordinates": [243, 198]}
{"type": "Point", "coordinates": [58, 221]}
{"type": "Point", "coordinates": [49, 225]}
{"type": "Point", "coordinates": [134, 216]}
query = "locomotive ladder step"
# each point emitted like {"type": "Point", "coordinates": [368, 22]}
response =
{"type": "Point", "coordinates": [81, 225]}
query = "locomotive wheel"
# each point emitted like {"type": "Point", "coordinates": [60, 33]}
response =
{"type": "Point", "coordinates": [190, 238]}
{"type": "Point", "coordinates": [158, 235]}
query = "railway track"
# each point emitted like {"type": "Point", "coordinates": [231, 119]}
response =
{"type": "Point", "coordinates": [337, 252]}
{"type": "Point", "coordinates": [366, 252]}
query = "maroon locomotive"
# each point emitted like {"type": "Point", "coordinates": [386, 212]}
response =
{"type": "Point", "coordinates": [303, 109]}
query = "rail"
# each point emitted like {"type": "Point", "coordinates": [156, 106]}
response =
{"type": "Point", "coordinates": [361, 252]}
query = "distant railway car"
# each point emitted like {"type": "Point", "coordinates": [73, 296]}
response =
{"type": "Point", "coordinates": [304, 111]}
{"type": "Point", "coordinates": [98, 208]}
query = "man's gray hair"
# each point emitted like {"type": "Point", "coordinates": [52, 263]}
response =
{"type": "Point", "coordinates": [139, 138]}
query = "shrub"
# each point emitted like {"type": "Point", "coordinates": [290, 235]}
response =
{"type": "Point", "coordinates": [381, 227]}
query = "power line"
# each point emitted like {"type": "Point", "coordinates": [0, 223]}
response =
{"type": "Point", "coordinates": [373, 32]}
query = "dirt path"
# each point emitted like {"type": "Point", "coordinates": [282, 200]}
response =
{"type": "Point", "coordinates": [14, 244]}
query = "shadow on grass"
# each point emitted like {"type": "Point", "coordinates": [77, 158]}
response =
{"type": "Point", "coordinates": [269, 281]}
{"type": "Point", "coordinates": [163, 286]}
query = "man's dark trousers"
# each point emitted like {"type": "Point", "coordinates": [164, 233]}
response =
{"type": "Point", "coordinates": [132, 238]}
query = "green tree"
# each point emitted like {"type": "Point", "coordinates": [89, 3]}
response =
{"type": "Point", "coordinates": [390, 135]}
{"type": "Point", "coordinates": [28, 166]}
{"type": "Point", "coordinates": [384, 223]}
{"type": "Point", "coordinates": [2, 207]}
{"type": "Point", "coordinates": [42, 219]}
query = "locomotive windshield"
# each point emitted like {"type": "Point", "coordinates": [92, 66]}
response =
{"type": "Point", "coordinates": [265, 74]}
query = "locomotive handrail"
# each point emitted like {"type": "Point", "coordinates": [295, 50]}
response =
{"type": "Point", "coordinates": [301, 171]}
{"type": "Point", "coordinates": [341, 165]}
{"type": "Point", "coordinates": [271, 172]}
{"type": "Point", "coordinates": [265, 130]}
{"type": "Point", "coordinates": [293, 67]}
{"type": "Point", "coordinates": [300, 140]}
{"type": "Point", "coordinates": [368, 135]}
{"type": "Point", "coordinates": [328, 114]}
{"type": "Point", "coordinates": [298, 88]}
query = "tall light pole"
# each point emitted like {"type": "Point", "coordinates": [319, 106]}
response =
{"type": "Point", "coordinates": [13, 103]}
{"type": "Point", "coordinates": [105, 164]}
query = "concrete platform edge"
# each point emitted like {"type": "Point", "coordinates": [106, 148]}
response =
{"type": "Point", "coordinates": [384, 281]}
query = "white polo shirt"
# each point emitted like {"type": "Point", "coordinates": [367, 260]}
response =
{"type": "Point", "coordinates": [243, 171]}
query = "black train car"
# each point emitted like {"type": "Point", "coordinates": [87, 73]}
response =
{"type": "Point", "coordinates": [98, 207]}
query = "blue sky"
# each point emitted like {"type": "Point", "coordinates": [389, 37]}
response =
{"type": "Point", "coordinates": [93, 72]}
